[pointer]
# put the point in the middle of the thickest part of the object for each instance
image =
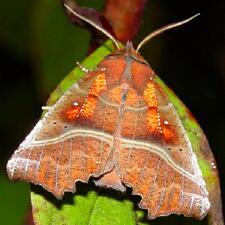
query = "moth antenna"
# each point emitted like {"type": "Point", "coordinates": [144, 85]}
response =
{"type": "Point", "coordinates": [94, 25]}
{"type": "Point", "coordinates": [163, 29]}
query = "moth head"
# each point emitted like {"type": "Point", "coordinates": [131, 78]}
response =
{"type": "Point", "coordinates": [127, 52]}
{"type": "Point", "coordinates": [129, 45]}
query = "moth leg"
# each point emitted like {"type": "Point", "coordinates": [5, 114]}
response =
{"type": "Point", "coordinates": [84, 69]}
{"type": "Point", "coordinates": [46, 108]}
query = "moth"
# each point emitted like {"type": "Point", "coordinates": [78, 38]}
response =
{"type": "Point", "coordinates": [118, 126]}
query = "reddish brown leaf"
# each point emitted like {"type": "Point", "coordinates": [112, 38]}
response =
{"type": "Point", "coordinates": [125, 17]}
{"type": "Point", "coordinates": [29, 218]}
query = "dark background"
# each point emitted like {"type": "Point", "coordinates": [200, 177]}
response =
{"type": "Point", "coordinates": [38, 47]}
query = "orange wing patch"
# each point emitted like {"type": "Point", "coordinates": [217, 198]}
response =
{"type": "Point", "coordinates": [154, 121]}
{"type": "Point", "coordinates": [153, 118]}
{"type": "Point", "coordinates": [71, 113]}
{"type": "Point", "coordinates": [99, 85]}
{"type": "Point", "coordinates": [150, 95]}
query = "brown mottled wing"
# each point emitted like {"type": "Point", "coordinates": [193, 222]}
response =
{"type": "Point", "coordinates": [66, 145]}
{"type": "Point", "coordinates": [156, 157]}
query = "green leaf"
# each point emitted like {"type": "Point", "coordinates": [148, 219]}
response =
{"type": "Point", "coordinates": [87, 206]}
{"type": "Point", "coordinates": [18, 197]}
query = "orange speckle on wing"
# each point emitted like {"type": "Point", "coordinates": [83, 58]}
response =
{"type": "Point", "coordinates": [98, 85]}
{"type": "Point", "coordinates": [89, 106]}
{"type": "Point", "coordinates": [150, 95]}
{"type": "Point", "coordinates": [91, 100]}
{"type": "Point", "coordinates": [154, 123]}
{"type": "Point", "coordinates": [152, 120]}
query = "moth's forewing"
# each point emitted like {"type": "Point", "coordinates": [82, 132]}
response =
{"type": "Point", "coordinates": [50, 164]}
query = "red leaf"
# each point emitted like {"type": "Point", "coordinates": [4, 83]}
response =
{"type": "Point", "coordinates": [125, 17]}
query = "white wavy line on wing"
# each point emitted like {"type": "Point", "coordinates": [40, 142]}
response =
{"type": "Point", "coordinates": [126, 143]}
